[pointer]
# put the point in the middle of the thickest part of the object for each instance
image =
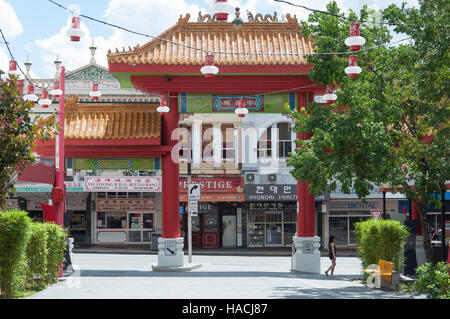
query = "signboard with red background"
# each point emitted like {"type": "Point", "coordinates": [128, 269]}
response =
{"type": "Point", "coordinates": [215, 189]}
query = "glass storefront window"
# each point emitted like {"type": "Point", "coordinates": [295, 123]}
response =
{"type": "Point", "coordinates": [148, 221]}
{"type": "Point", "coordinates": [135, 221]}
{"type": "Point", "coordinates": [338, 228]}
{"type": "Point", "coordinates": [273, 234]}
{"type": "Point", "coordinates": [255, 235]}
{"type": "Point", "coordinates": [116, 220]}
{"type": "Point", "coordinates": [353, 220]}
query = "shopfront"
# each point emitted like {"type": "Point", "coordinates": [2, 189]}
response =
{"type": "Point", "coordinates": [217, 223]}
{"type": "Point", "coordinates": [343, 214]}
{"type": "Point", "coordinates": [126, 212]}
{"type": "Point", "coordinates": [271, 214]}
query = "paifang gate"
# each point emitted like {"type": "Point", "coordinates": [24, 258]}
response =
{"type": "Point", "coordinates": [173, 71]}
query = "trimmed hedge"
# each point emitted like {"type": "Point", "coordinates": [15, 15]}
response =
{"type": "Point", "coordinates": [56, 244]}
{"type": "Point", "coordinates": [381, 239]}
{"type": "Point", "coordinates": [36, 255]}
{"type": "Point", "coordinates": [31, 253]}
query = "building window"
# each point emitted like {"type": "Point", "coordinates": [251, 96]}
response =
{"type": "Point", "coordinates": [207, 144]}
{"type": "Point", "coordinates": [228, 142]}
{"type": "Point", "coordinates": [283, 142]}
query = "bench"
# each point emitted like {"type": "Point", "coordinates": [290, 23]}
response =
{"type": "Point", "coordinates": [386, 277]}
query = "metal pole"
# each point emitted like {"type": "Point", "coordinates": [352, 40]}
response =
{"type": "Point", "coordinates": [189, 140]}
{"type": "Point", "coordinates": [384, 204]}
{"type": "Point", "coordinates": [443, 225]}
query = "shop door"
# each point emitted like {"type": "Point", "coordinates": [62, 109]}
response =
{"type": "Point", "coordinates": [229, 231]}
{"type": "Point", "coordinates": [274, 228]}
{"type": "Point", "coordinates": [210, 230]}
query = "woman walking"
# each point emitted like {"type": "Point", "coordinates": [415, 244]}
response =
{"type": "Point", "coordinates": [332, 255]}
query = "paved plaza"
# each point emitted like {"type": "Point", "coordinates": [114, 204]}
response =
{"type": "Point", "coordinates": [130, 276]}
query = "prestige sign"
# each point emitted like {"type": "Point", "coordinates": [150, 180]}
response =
{"type": "Point", "coordinates": [123, 184]}
{"type": "Point", "coordinates": [268, 192]}
{"type": "Point", "coordinates": [216, 189]}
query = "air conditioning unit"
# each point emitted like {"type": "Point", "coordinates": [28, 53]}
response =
{"type": "Point", "coordinates": [250, 178]}
{"type": "Point", "coordinates": [272, 178]}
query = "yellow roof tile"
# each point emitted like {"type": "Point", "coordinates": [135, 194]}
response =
{"type": "Point", "coordinates": [262, 42]}
{"type": "Point", "coordinates": [110, 121]}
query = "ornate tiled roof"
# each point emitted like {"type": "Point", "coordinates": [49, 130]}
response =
{"type": "Point", "coordinates": [110, 121]}
{"type": "Point", "coordinates": [259, 35]}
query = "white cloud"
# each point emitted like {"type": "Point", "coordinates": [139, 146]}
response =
{"type": "Point", "coordinates": [150, 17]}
{"type": "Point", "coordinates": [9, 22]}
{"type": "Point", "coordinates": [11, 27]}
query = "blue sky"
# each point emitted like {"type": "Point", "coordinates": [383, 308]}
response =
{"type": "Point", "coordinates": [37, 28]}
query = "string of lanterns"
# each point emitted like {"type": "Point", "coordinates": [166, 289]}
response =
{"type": "Point", "coordinates": [354, 41]}
{"type": "Point", "coordinates": [220, 9]}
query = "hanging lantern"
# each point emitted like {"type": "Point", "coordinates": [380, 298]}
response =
{"type": "Point", "coordinates": [95, 93]}
{"type": "Point", "coordinates": [75, 32]}
{"type": "Point", "coordinates": [163, 105]}
{"type": "Point", "coordinates": [56, 92]}
{"type": "Point", "coordinates": [45, 101]}
{"type": "Point", "coordinates": [13, 68]}
{"type": "Point", "coordinates": [30, 96]}
{"type": "Point", "coordinates": [209, 69]}
{"type": "Point", "coordinates": [20, 86]}
{"type": "Point", "coordinates": [241, 110]}
{"type": "Point", "coordinates": [221, 9]}
{"type": "Point", "coordinates": [353, 69]}
{"type": "Point", "coordinates": [355, 41]}
{"type": "Point", "coordinates": [329, 95]}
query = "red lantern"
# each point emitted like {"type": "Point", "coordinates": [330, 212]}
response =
{"type": "Point", "coordinates": [163, 105]}
{"type": "Point", "coordinates": [355, 41]}
{"type": "Point", "coordinates": [241, 110]}
{"type": "Point", "coordinates": [56, 92]}
{"type": "Point", "coordinates": [221, 9]}
{"type": "Point", "coordinates": [95, 94]}
{"type": "Point", "coordinates": [13, 68]}
{"type": "Point", "coordinates": [353, 69]}
{"type": "Point", "coordinates": [209, 69]}
{"type": "Point", "coordinates": [30, 96]}
{"type": "Point", "coordinates": [20, 86]}
{"type": "Point", "coordinates": [329, 95]}
{"type": "Point", "coordinates": [75, 33]}
{"type": "Point", "coordinates": [45, 101]}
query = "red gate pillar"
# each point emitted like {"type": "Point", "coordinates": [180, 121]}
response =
{"type": "Point", "coordinates": [170, 169]}
{"type": "Point", "coordinates": [305, 252]}
{"type": "Point", "coordinates": [170, 245]}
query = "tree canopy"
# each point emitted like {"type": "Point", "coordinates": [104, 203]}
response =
{"type": "Point", "coordinates": [18, 133]}
{"type": "Point", "coordinates": [396, 130]}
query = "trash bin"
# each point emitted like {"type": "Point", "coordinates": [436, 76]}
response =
{"type": "Point", "coordinates": [155, 237]}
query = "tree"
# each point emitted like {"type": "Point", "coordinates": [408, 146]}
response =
{"type": "Point", "coordinates": [395, 131]}
{"type": "Point", "coordinates": [18, 133]}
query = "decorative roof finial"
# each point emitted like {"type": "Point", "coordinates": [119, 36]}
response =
{"type": "Point", "coordinates": [93, 48]}
{"type": "Point", "coordinates": [28, 66]}
{"type": "Point", "coordinates": [237, 22]}
{"type": "Point", "coordinates": [58, 66]}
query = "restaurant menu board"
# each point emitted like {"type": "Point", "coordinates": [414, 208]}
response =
{"type": "Point", "coordinates": [126, 204]}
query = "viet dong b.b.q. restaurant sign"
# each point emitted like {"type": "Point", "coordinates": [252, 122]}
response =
{"type": "Point", "coordinates": [123, 184]}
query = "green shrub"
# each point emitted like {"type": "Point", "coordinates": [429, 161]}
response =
{"type": "Point", "coordinates": [381, 239]}
{"type": "Point", "coordinates": [56, 244]}
{"type": "Point", "coordinates": [14, 226]}
{"type": "Point", "coordinates": [36, 256]}
{"type": "Point", "coordinates": [433, 280]}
